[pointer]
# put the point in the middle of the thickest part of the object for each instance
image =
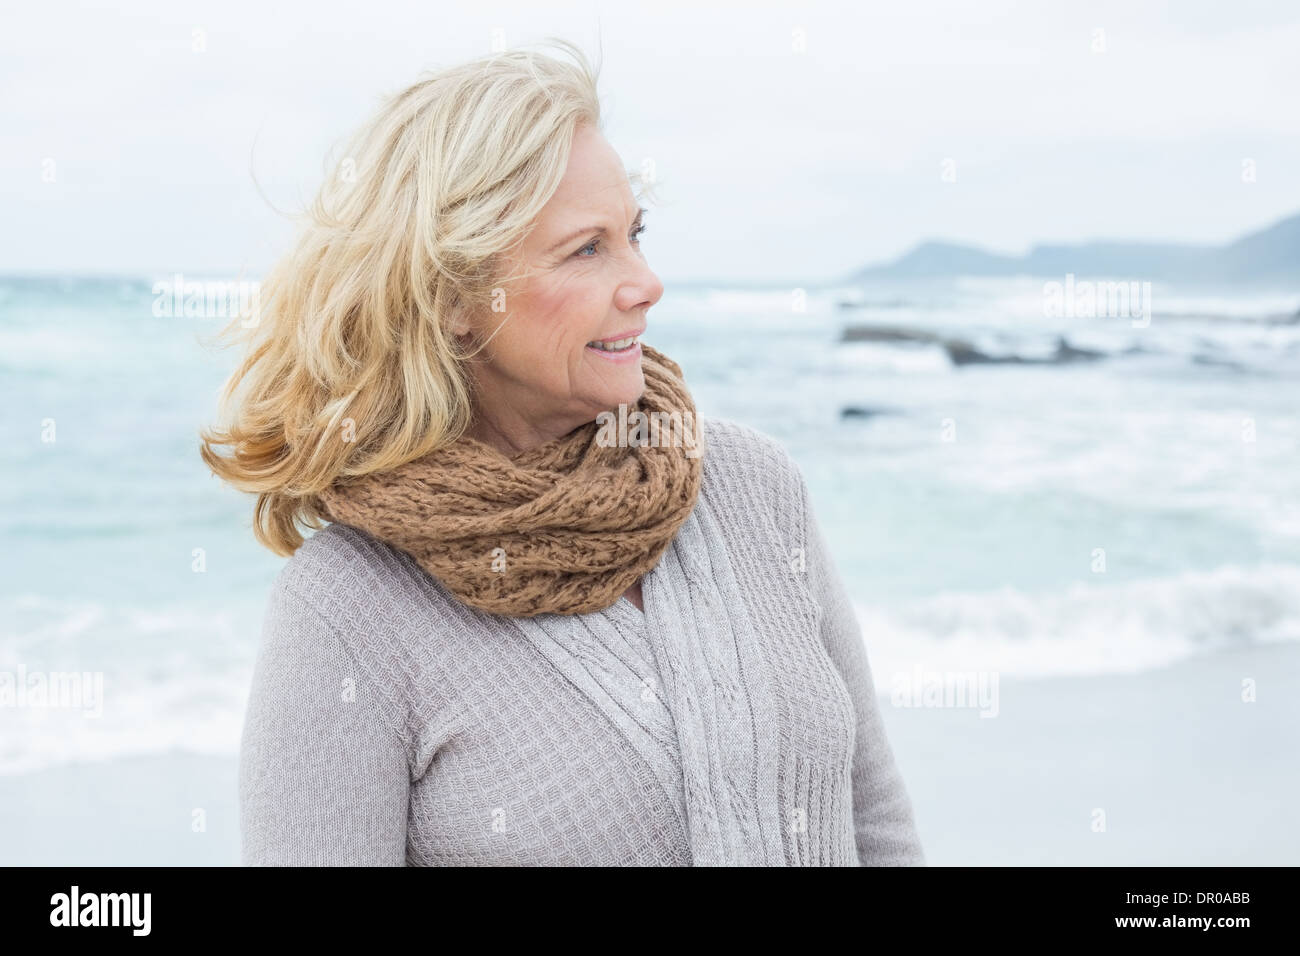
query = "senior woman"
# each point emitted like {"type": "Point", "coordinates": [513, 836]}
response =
{"type": "Point", "coordinates": [527, 636]}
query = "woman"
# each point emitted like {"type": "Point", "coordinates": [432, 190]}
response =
{"type": "Point", "coordinates": [537, 630]}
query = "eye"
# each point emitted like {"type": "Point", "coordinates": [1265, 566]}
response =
{"type": "Point", "coordinates": [635, 237]}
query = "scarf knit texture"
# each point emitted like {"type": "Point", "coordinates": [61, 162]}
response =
{"type": "Point", "coordinates": [562, 528]}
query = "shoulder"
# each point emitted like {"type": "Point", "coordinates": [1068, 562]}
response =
{"type": "Point", "coordinates": [368, 593]}
{"type": "Point", "coordinates": [345, 580]}
{"type": "Point", "coordinates": [338, 565]}
{"type": "Point", "coordinates": [311, 638]}
{"type": "Point", "coordinates": [748, 469]}
{"type": "Point", "coordinates": [362, 582]}
{"type": "Point", "coordinates": [376, 596]}
{"type": "Point", "coordinates": [739, 453]}
{"type": "Point", "coordinates": [737, 450]}
{"type": "Point", "coordinates": [398, 626]}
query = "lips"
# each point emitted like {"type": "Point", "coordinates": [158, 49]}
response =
{"type": "Point", "coordinates": [614, 345]}
{"type": "Point", "coordinates": [623, 342]}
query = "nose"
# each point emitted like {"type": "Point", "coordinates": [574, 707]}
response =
{"type": "Point", "coordinates": [641, 288]}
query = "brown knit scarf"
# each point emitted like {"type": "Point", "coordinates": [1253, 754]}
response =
{"type": "Point", "coordinates": [565, 527]}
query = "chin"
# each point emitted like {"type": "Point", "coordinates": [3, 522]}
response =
{"type": "Point", "coordinates": [636, 391]}
{"type": "Point", "coordinates": [627, 395]}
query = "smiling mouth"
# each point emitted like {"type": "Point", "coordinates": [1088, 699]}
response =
{"type": "Point", "coordinates": [615, 345]}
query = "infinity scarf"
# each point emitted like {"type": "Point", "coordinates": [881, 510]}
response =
{"type": "Point", "coordinates": [563, 528]}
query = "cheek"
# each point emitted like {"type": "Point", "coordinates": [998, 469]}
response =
{"type": "Point", "coordinates": [563, 320]}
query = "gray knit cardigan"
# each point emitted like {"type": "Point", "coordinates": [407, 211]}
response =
{"type": "Point", "coordinates": [388, 724]}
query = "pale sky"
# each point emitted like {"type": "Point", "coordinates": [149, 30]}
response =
{"type": "Point", "coordinates": [773, 163]}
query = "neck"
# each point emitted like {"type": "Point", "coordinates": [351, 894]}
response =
{"type": "Point", "coordinates": [512, 428]}
{"type": "Point", "coordinates": [515, 438]}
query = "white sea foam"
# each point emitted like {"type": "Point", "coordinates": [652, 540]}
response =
{"type": "Point", "coordinates": [177, 680]}
{"type": "Point", "coordinates": [174, 677]}
{"type": "Point", "coordinates": [1088, 629]}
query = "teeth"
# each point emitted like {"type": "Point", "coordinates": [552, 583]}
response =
{"type": "Point", "coordinates": [618, 345]}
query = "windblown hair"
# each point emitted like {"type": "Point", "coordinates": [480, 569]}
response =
{"type": "Point", "coordinates": [351, 366]}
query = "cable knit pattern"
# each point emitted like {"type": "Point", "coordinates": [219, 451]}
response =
{"type": "Point", "coordinates": [390, 724]}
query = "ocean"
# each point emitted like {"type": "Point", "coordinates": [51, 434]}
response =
{"type": "Point", "coordinates": [1005, 488]}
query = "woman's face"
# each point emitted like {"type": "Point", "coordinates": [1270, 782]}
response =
{"type": "Point", "coordinates": [540, 376]}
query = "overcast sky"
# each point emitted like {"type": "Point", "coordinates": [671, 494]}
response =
{"type": "Point", "coordinates": [773, 163]}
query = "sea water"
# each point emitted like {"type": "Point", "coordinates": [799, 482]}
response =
{"type": "Point", "coordinates": [1114, 513]}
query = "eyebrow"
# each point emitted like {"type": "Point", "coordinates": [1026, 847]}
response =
{"type": "Point", "coordinates": [589, 230]}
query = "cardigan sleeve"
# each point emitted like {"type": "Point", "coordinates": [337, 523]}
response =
{"type": "Point", "coordinates": [882, 810]}
{"type": "Point", "coordinates": [323, 774]}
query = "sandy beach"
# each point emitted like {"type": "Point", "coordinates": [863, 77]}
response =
{"type": "Point", "coordinates": [1185, 772]}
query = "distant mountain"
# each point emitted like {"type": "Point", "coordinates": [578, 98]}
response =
{"type": "Point", "coordinates": [1270, 255]}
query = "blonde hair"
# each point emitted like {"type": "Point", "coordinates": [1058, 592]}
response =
{"type": "Point", "coordinates": [352, 367]}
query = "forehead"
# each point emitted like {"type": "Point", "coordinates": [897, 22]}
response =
{"type": "Point", "coordinates": [595, 188]}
